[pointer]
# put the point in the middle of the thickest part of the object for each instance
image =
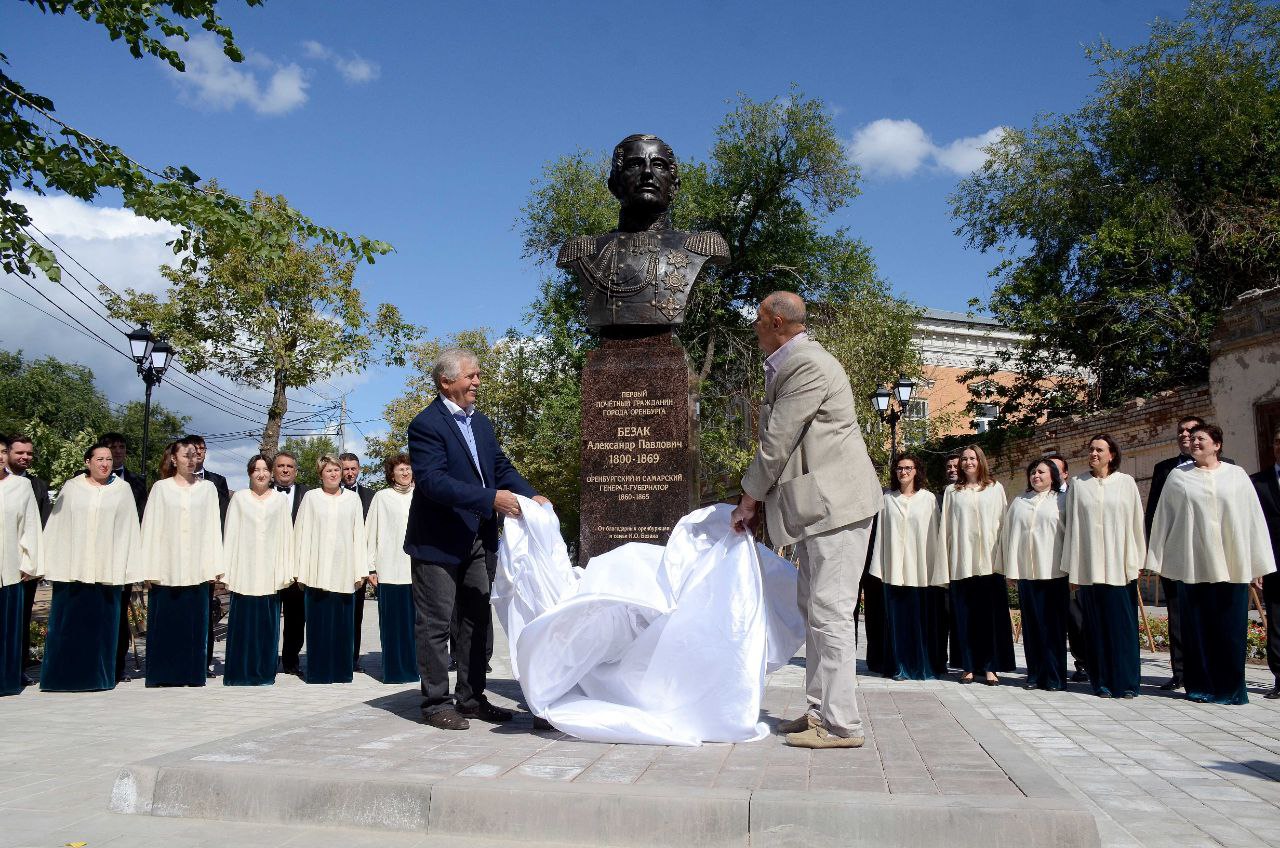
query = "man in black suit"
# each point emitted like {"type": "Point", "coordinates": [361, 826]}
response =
{"type": "Point", "coordinates": [1169, 588]}
{"type": "Point", "coordinates": [284, 470]}
{"type": "Point", "coordinates": [464, 483]}
{"type": "Point", "coordinates": [350, 464]}
{"type": "Point", "coordinates": [224, 500]}
{"type": "Point", "coordinates": [22, 453]}
{"type": "Point", "coordinates": [119, 447]}
{"type": "Point", "coordinates": [1267, 482]}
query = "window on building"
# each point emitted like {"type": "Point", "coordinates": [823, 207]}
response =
{"type": "Point", "coordinates": [915, 428]}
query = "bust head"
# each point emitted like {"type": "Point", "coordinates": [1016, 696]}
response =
{"type": "Point", "coordinates": [644, 173]}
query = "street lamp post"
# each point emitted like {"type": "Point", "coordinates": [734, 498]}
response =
{"type": "Point", "coordinates": [881, 399]}
{"type": "Point", "coordinates": [153, 357]}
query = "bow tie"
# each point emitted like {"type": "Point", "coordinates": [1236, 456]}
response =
{"type": "Point", "coordinates": [284, 489]}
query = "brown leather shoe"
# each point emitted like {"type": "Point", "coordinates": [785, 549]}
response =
{"type": "Point", "coordinates": [447, 720]}
{"type": "Point", "coordinates": [819, 737]}
{"type": "Point", "coordinates": [486, 711]}
{"type": "Point", "coordinates": [798, 725]}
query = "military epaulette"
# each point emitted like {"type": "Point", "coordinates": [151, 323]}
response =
{"type": "Point", "coordinates": [707, 244]}
{"type": "Point", "coordinates": [575, 248]}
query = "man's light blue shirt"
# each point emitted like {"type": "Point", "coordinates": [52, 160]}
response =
{"type": "Point", "coordinates": [462, 418]}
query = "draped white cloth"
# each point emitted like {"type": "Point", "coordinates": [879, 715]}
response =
{"type": "Point", "coordinates": [969, 530]}
{"type": "Point", "coordinates": [93, 534]}
{"type": "Point", "coordinates": [1104, 539]}
{"type": "Point", "coordinates": [181, 534]}
{"type": "Point", "coordinates": [1209, 528]}
{"type": "Point", "coordinates": [258, 544]}
{"type": "Point", "coordinates": [1031, 536]}
{"type": "Point", "coordinates": [330, 551]}
{"type": "Point", "coordinates": [650, 645]}
{"type": "Point", "coordinates": [20, 534]}
{"type": "Point", "coordinates": [907, 541]}
{"type": "Point", "coordinates": [384, 530]}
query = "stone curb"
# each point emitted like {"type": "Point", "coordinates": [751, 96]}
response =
{"type": "Point", "coordinates": [598, 815]}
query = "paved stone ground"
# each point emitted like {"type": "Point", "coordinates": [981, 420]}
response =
{"type": "Point", "coordinates": [1155, 771]}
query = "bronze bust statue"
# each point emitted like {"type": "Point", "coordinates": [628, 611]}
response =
{"type": "Point", "coordinates": [643, 272]}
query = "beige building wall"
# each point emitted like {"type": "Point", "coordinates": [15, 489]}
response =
{"type": "Point", "coordinates": [1244, 376]}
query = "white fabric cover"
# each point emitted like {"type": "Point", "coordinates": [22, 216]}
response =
{"type": "Point", "coordinates": [20, 533]}
{"type": "Point", "coordinates": [384, 530]}
{"type": "Point", "coordinates": [907, 541]}
{"type": "Point", "coordinates": [93, 534]}
{"type": "Point", "coordinates": [1209, 528]}
{"type": "Point", "coordinates": [258, 544]}
{"type": "Point", "coordinates": [182, 534]}
{"type": "Point", "coordinates": [1031, 537]}
{"type": "Point", "coordinates": [650, 645]}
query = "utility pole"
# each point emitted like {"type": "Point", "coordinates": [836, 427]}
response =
{"type": "Point", "coordinates": [342, 426]}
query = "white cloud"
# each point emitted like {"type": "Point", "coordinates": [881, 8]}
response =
{"type": "Point", "coordinates": [891, 147]}
{"type": "Point", "coordinates": [63, 215]}
{"type": "Point", "coordinates": [355, 69]}
{"type": "Point", "coordinates": [214, 81]}
{"type": "Point", "coordinates": [965, 155]}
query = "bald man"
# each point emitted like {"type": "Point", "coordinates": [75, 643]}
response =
{"type": "Point", "coordinates": [820, 491]}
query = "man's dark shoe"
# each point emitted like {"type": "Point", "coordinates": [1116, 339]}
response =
{"type": "Point", "coordinates": [1274, 694]}
{"type": "Point", "coordinates": [1172, 684]}
{"type": "Point", "coordinates": [447, 720]}
{"type": "Point", "coordinates": [541, 724]}
{"type": "Point", "coordinates": [1081, 676]}
{"type": "Point", "coordinates": [486, 711]}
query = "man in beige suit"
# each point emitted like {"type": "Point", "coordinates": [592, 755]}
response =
{"type": "Point", "coordinates": [821, 493]}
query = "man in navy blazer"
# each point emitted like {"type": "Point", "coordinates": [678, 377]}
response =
{"type": "Point", "coordinates": [464, 483]}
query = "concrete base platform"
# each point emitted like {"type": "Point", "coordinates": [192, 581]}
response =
{"type": "Point", "coordinates": [932, 769]}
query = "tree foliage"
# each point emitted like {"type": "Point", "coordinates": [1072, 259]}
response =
{"type": "Point", "coordinates": [284, 319]}
{"type": "Point", "coordinates": [308, 450]}
{"type": "Point", "coordinates": [41, 152]}
{"type": "Point", "coordinates": [60, 407]}
{"type": "Point", "coordinates": [1127, 226]}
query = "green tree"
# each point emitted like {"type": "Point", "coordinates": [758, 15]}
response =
{"type": "Point", "coordinates": [60, 407]}
{"type": "Point", "coordinates": [285, 319]}
{"type": "Point", "coordinates": [41, 152]}
{"type": "Point", "coordinates": [1125, 228]}
{"type": "Point", "coordinates": [308, 450]}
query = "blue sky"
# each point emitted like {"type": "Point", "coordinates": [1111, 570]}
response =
{"type": "Point", "coordinates": [422, 124]}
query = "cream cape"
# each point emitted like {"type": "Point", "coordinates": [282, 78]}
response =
{"type": "Point", "coordinates": [1031, 537]}
{"type": "Point", "coordinates": [93, 535]}
{"type": "Point", "coordinates": [258, 545]}
{"type": "Point", "coordinates": [20, 534]}
{"type": "Point", "coordinates": [330, 552]}
{"type": "Point", "coordinates": [181, 534]}
{"type": "Point", "coordinates": [385, 529]}
{"type": "Point", "coordinates": [1103, 537]}
{"type": "Point", "coordinates": [969, 530]}
{"type": "Point", "coordinates": [1209, 528]}
{"type": "Point", "coordinates": [907, 541]}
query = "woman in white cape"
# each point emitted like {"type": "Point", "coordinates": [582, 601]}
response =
{"type": "Point", "coordinates": [913, 575]}
{"type": "Point", "coordinates": [1209, 535]}
{"type": "Point", "coordinates": [181, 556]}
{"type": "Point", "coordinates": [332, 559]}
{"type": "Point", "coordinates": [1031, 553]}
{"type": "Point", "coordinates": [1102, 552]}
{"type": "Point", "coordinates": [972, 510]}
{"type": "Point", "coordinates": [20, 538]}
{"type": "Point", "coordinates": [92, 550]}
{"type": "Point", "coordinates": [258, 547]}
{"type": "Point", "coordinates": [385, 530]}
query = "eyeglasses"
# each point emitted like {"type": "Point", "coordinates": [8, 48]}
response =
{"type": "Point", "coordinates": [902, 468]}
